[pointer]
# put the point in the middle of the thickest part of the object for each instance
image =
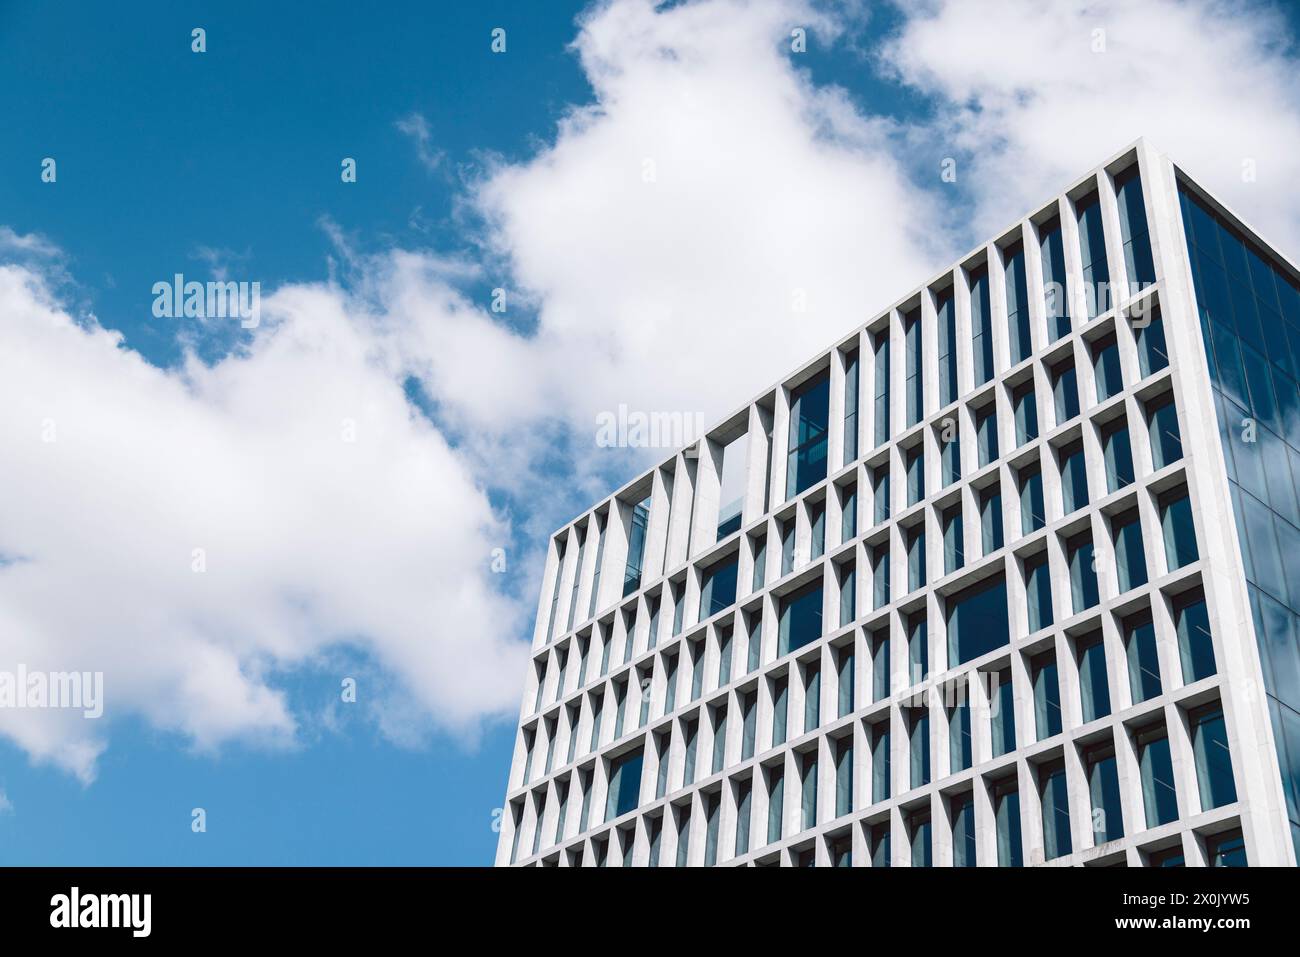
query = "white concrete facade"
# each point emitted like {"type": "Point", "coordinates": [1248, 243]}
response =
{"type": "Point", "coordinates": [571, 726]}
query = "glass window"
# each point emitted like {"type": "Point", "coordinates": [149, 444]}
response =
{"type": "Point", "coordinates": [1092, 253]}
{"type": "Point", "coordinates": [636, 546]}
{"type": "Point", "coordinates": [1179, 531]}
{"type": "Point", "coordinates": [844, 681]}
{"type": "Point", "coordinates": [749, 724]}
{"type": "Point", "coordinates": [918, 742]}
{"type": "Point", "coordinates": [1103, 789]}
{"type": "Point", "coordinates": [915, 460]}
{"type": "Point", "coordinates": [718, 590]}
{"type": "Point", "coordinates": [1002, 713]}
{"type": "Point", "coordinates": [1038, 592]}
{"type": "Point", "coordinates": [918, 829]}
{"type": "Point", "coordinates": [1026, 413]}
{"type": "Point", "coordinates": [1143, 665]}
{"type": "Point", "coordinates": [787, 545]}
{"type": "Point", "coordinates": [1195, 648]}
{"type": "Point", "coordinates": [1106, 370]}
{"type": "Point", "coordinates": [915, 557]}
{"type": "Point", "coordinates": [1065, 392]}
{"type": "Point", "coordinates": [1153, 353]}
{"type": "Point", "coordinates": [624, 784]}
{"type": "Point", "coordinates": [913, 385]}
{"type": "Point", "coordinates": [719, 739]}
{"type": "Point", "coordinates": [881, 406]}
{"type": "Point", "coordinates": [731, 493]}
{"type": "Point", "coordinates": [949, 453]}
{"type": "Point", "coordinates": [880, 844]}
{"type": "Point", "coordinates": [880, 576]}
{"type": "Point", "coordinates": [1074, 477]}
{"type": "Point", "coordinates": [1047, 695]}
{"type": "Point", "coordinates": [1213, 760]}
{"type": "Point", "coordinates": [1133, 229]}
{"type": "Point", "coordinates": [986, 434]}
{"type": "Point", "coordinates": [880, 665]}
{"type": "Point", "coordinates": [1094, 688]}
{"type": "Point", "coordinates": [1033, 515]}
{"type": "Point", "coordinates": [808, 790]}
{"type": "Point", "coordinates": [1117, 452]}
{"type": "Point", "coordinates": [954, 555]}
{"type": "Point", "coordinates": [1159, 796]}
{"type": "Point", "coordinates": [812, 697]}
{"type": "Point", "coordinates": [1055, 287]}
{"type": "Point", "coordinates": [918, 648]}
{"type": "Point", "coordinates": [744, 810]}
{"type": "Point", "coordinates": [880, 494]}
{"type": "Point", "coordinates": [817, 523]}
{"type": "Point", "coordinates": [963, 831]}
{"type": "Point", "coordinates": [780, 707]}
{"type": "Point", "coordinates": [960, 753]}
{"type": "Point", "coordinates": [683, 835]}
{"type": "Point", "coordinates": [990, 500]}
{"type": "Point", "coordinates": [775, 803]}
{"type": "Point", "coordinates": [1056, 809]}
{"type": "Point", "coordinates": [1226, 850]}
{"type": "Point", "coordinates": [843, 776]}
{"type": "Point", "coordinates": [1166, 440]}
{"type": "Point", "coordinates": [880, 789]}
{"type": "Point", "coordinates": [977, 620]}
{"type": "Point", "coordinates": [848, 513]}
{"type": "Point", "coordinates": [760, 562]}
{"type": "Point", "coordinates": [809, 411]}
{"type": "Point", "coordinates": [946, 323]}
{"type": "Point", "coordinates": [850, 406]}
{"type": "Point", "coordinates": [1130, 555]}
{"type": "Point", "coordinates": [1013, 259]}
{"type": "Point", "coordinates": [1006, 816]}
{"type": "Point", "coordinates": [1083, 572]}
{"type": "Point", "coordinates": [692, 731]}
{"type": "Point", "coordinates": [848, 593]}
{"type": "Point", "coordinates": [800, 619]}
{"type": "Point", "coordinates": [981, 325]}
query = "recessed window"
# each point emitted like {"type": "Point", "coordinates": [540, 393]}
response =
{"type": "Point", "coordinates": [1055, 288]}
{"type": "Point", "coordinates": [1153, 353]}
{"type": "Point", "coordinates": [1006, 819]}
{"type": "Point", "coordinates": [977, 620]}
{"type": "Point", "coordinates": [1143, 664]}
{"type": "Point", "coordinates": [1038, 592]}
{"type": "Point", "coordinates": [1133, 229]}
{"type": "Point", "coordinates": [1166, 439]}
{"type": "Point", "coordinates": [991, 534]}
{"type": "Point", "coordinates": [624, 784]}
{"type": "Point", "coordinates": [718, 591]}
{"type": "Point", "coordinates": [850, 406]}
{"type": "Point", "coordinates": [1155, 766]}
{"type": "Point", "coordinates": [1092, 254]}
{"type": "Point", "coordinates": [1179, 530]}
{"type": "Point", "coordinates": [1094, 688]}
{"type": "Point", "coordinates": [1065, 391]}
{"type": "Point", "coordinates": [1106, 369]}
{"type": "Point", "coordinates": [880, 789]}
{"type": "Point", "coordinates": [913, 386]}
{"type": "Point", "coordinates": [954, 553]}
{"type": "Point", "coordinates": [915, 538]}
{"type": "Point", "coordinates": [962, 822]}
{"type": "Point", "coordinates": [946, 324]}
{"type": "Point", "coordinates": [986, 434]}
{"type": "Point", "coordinates": [981, 325]}
{"type": "Point", "coordinates": [636, 546]}
{"type": "Point", "coordinates": [1074, 477]}
{"type": "Point", "coordinates": [1117, 454]}
{"type": "Point", "coordinates": [809, 412]}
{"type": "Point", "coordinates": [1195, 647]}
{"type": "Point", "coordinates": [1017, 293]}
{"type": "Point", "coordinates": [1130, 555]}
{"type": "Point", "coordinates": [1055, 800]}
{"type": "Point", "coordinates": [918, 832]}
{"type": "Point", "coordinates": [915, 462]}
{"type": "Point", "coordinates": [1033, 514]}
{"type": "Point", "coordinates": [1213, 758]}
{"type": "Point", "coordinates": [1026, 413]}
{"type": "Point", "coordinates": [1083, 572]}
{"type": "Point", "coordinates": [1226, 850]}
{"type": "Point", "coordinates": [1103, 789]}
{"type": "Point", "coordinates": [918, 743]}
{"type": "Point", "coordinates": [1047, 694]}
{"type": "Point", "coordinates": [800, 618]}
{"type": "Point", "coordinates": [1002, 713]}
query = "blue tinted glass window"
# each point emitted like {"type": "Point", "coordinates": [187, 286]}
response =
{"type": "Point", "coordinates": [977, 621]}
{"type": "Point", "coordinates": [809, 411]}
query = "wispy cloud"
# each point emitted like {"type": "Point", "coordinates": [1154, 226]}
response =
{"type": "Point", "coordinates": [416, 127]}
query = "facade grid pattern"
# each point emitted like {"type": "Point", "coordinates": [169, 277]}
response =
{"type": "Point", "coordinates": [976, 599]}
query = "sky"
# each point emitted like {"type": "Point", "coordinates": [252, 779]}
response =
{"type": "Point", "coordinates": [230, 523]}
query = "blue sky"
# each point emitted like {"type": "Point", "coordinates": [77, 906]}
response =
{"type": "Point", "coordinates": [776, 171]}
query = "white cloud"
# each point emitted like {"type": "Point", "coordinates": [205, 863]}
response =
{"type": "Point", "coordinates": [310, 540]}
{"type": "Point", "coordinates": [1026, 101]}
{"type": "Point", "coordinates": [416, 127]}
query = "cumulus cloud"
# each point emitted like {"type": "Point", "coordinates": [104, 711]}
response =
{"type": "Point", "coordinates": [192, 532]}
{"type": "Point", "coordinates": [1030, 94]}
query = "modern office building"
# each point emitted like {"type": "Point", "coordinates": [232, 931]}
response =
{"type": "Point", "coordinates": [1009, 575]}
